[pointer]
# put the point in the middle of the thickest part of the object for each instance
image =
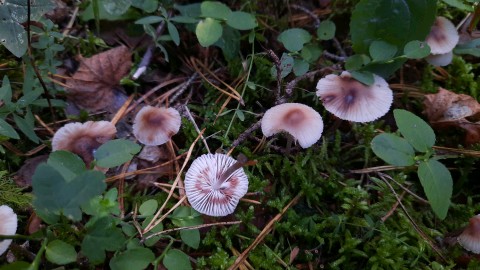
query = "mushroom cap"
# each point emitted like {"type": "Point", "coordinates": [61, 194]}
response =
{"type": "Point", "coordinates": [443, 36]}
{"type": "Point", "coordinates": [206, 193]}
{"type": "Point", "coordinates": [155, 126]}
{"type": "Point", "coordinates": [440, 60]}
{"type": "Point", "coordinates": [83, 139]}
{"type": "Point", "coordinates": [299, 120]}
{"type": "Point", "coordinates": [8, 226]}
{"type": "Point", "coordinates": [348, 99]}
{"type": "Point", "coordinates": [470, 237]}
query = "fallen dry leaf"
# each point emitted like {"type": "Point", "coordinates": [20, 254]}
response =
{"type": "Point", "coordinates": [23, 177]}
{"type": "Point", "coordinates": [447, 109]}
{"type": "Point", "coordinates": [95, 85]}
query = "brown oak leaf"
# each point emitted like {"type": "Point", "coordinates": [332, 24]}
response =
{"type": "Point", "coordinates": [95, 85]}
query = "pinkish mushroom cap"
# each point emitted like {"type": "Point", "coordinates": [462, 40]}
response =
{"type": "Point", "coordinates": [83, 139]}
{"type": "Point", "coordinates": [8, 226]}
{"type": "Point", "coordinates": [470, 237]}
{"type": "Point", "coordinates": [443, 36]}
{"type": "Point", "coordinates": [214, 184]}
{"type": "Point", "coordinates": [299, 120]}
{"type": "Point", "coordinates": [440, 60]}
{"type": "Point", "coordinates": [348, 99]}
{"type": "Point", "coordinates": [155, 126]}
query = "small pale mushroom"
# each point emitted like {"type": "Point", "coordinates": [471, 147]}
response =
{"type": "Point", "coordinates": [470, 237]}
{"type": "Point", "coordinates": [348, 99]}
{"type": "Point", "coordinates": [215, 183]}
{"type": "Point", "coordinates": [443, 36]}
{"type": "Point", "coordinates": [155, 126]}
{"type": "Point", "coordinates": [8, 226]}
{"type": "Point", "coordinates": [299, 120]}
{"type": "Point", "coordinates": [83, 139]}
{"type": "Point", "coordinates": [440, 60]}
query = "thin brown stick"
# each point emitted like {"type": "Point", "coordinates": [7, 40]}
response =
{"type": "Point", "coordinates": [242, 137]}
{"type": "Point", "coordinates": [394, 207]}
{"type": "Point", "coordinates": [191, 228]}
{"type": "Point", "coordinates": [44, 125]}
{"type": "Point", "coordinates": [122, 111]}
{"type": "Point", "coordinates": [278, 68]}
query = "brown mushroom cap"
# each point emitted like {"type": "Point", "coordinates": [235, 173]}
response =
{"type": "Point", "coordinates": [209, 191]}
{"type": "Point", "coordinates": [470, 237]}
{"type": "Point", "coordinates": [83, 139]}
{"type": "Point", "coordinates": [299, 120]}
{"type": "Point", "coordinates": [351, 100]}
{"type": "Point", "coordinates": [443, 36]}
{"type": "Point", "coordinates": [8, 226]}
{"type": "Point", "coordinates": [155, 126]}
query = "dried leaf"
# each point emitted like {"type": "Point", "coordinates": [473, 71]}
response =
{"type": "Point", "coordinates": [23, 178]}
{"type": "Point", "coordinates": [95, 84]}
{"type": "Point", "coordinates": [294, 254]}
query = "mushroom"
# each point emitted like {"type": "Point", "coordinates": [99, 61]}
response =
{"type": "Point", "coordinates": [470, 237]}
{"type": "Point", "coordinates": [348, 99]}
{"type": "Point", "coordinates": [440, 60]}
{"type": "Point", "coordinates": [299, 120]}
{"type": "Point", "coordinates": [443, 36]}
{"type": "Point", "coordinates": [214, 184]}
{"type": "Point", "coordinates": [155, 126]}
{"type": "Point", "coordinates": [83, 139]}
{"type": "Point", "coordinates": [8, 226]}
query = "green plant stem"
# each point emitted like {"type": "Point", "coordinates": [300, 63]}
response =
{"type": "Point", "coordinates": [36, 263]}
{"type": "Point", "coordinates": [160, 258]}
{"type": "Point", "coordinates": [19, 237]}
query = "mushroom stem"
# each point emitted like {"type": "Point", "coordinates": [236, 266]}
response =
{"type": "Point", "coordinates": [241, 161]}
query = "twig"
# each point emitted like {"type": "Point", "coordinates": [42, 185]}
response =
{"type": "Point", "coordinates": [289, 87]}
{"type": "Point", "coordinates": [191, 228]}
{"type": "Point", "coordinates": [268, 228]}
{"type": "Point", "coordinates": [334, 57]}
{"type": "Point", "coordinates": [190, 117]}
{"type": "Point", "coordinates": [69, 26]}
{"type": "Point", "coordinates": [394, 207]}
{"type": "Point", "coordinates": [278, 67]}
{"type": "Point", "coordinates": [339, 47]}
{"type": "Point", "coordinates": [404, 188]}
{"type": "Point", "coordinates": [309, 12]}
{"type": "Point", "coordinates": [242, 137]}
{"type": "Point", "coordinates": [184, 87]}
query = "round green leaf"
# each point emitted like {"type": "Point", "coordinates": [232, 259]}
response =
{"type": "Point", "coordinates": [286, 66]}
{"type": "Point", "coordinates": [241, 20]}
{"type": "Point", "coordinates": [416, 131]}
{"type": "Point", "coordinates": [293, 39]}
{"type": "Point", "coordinates": [214, 9]}
{"type": "Point", "coordinates": [116, 152]}
{"type": "Point", "coordinates": [438, 185]}
{"type": "Point", "coordinates": [208, 31]}
{"type": "Point", "coordinates": [148, 208]}
{"type": "Point", "coordinates": [326, 30]}
{"type": "Point", "coordinates": [191, 237]}
{"type": "Point", "coordinates": [416, 49]}
{"type": "Point", "coordinates": [382, 51]}
{"type": "Point", "coordinates": [132, 259]}
{"type": "Point", "coordinates": [176, 260]}
{"type": "Point", "coordinates": [393, 150]}
{"type": "Point", "coordinates": [116, 7]}
{"type": "Point", "coordinates": [59, 252]}
{"type": "Point", "coordinates": [300, 67]}
{"type": "Point", "coordinates": [356, 62]}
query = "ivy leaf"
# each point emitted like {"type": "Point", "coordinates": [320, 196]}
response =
{"type": "Point", "coordinates": [416, 49]}
{"type": "Point", "coordinates": [208, 31]}
{"type": "Point", "coordinates": [176, 260]}
{"type": "Point", "coordinates": [394, 21]}
{"type": "Point", "coordinates": [293, 39]}
{"type": "Point", "coordinates": [416, 131]}
{"type": "Point", "coordinates": [241, 20]}
{"type": "Point", "coordinates": [326, 30]}
{"type": "Point", "coordinates": [191, 237]}
{"type": "Point", "coordinates": [116, 152]}
{"type": "Point", "coordinates": [215, 9]}
{"type": "Point", "coordinates": [59, 252]}
{"type": "Point", "coordinates": [393, 149]}
{"type": "Point", "coordinates": [132, 259]}
{"type": "Point", "coordinates": [438, 185]}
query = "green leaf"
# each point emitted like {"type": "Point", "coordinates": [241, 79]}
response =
{"type": "Point", "coordinates": [240, 115]}
{"type": "Point", "coordinates": [18, 265]}
{"type": "Point", "coordinates": [7, 130]}
{"type": "Point", "coordinates": [208, 31]}
{"type": "Point", "coordinates": [382, 51]}
{"type": "Point", "coordinates": [132, 259]}
{"type": "Point", "coordinates": [116, 7]}
{"type": "Point", "coordinates": [293, 39]}
{"type": "Point", "coordinates": [241, 20]}
{"type": "Point", "coordinates": [356, 62]}
{"type": "Point", "coordinates": [191, 237]}
{"type": "Point", "coordinates": [364, 77]}
{"type": "Point", "coordinates": [176, 260]}
{"type": "Point", "coordinates": [300, 67]}
{"type": "Point", "coordinates": [148, 6]}
{"type": "Point", "coordinates": [326, 30]}
{"type": "Point", "coordinates": [148, 207]}
{"type": "Point", "coordinates": [172, 30]}
{"type": "Point", "coordinates": [311, 53]}
{"type": "Point", "coordinates": [459, 4]}
{"type": "Point", "coordinates": [59, 252]}
{"type": "Point", "coordinates": [116, 152]}
{"type": "Point", "coordinates": [184, 216]}
{"type": "Point", "coordinates": [67, 164]}
{"type": "Point", "coordinates": [6, 90]}
{"type": "Point", "coordinates": [103, 205]}
{"type": "Point", "coordinates": [472, 47]}
{"type": "Point", "coordinates": [416, 49]}
{"type": "Point", "coordinates": [214, 9]}
{"type": "Point", "coordinates": [393, 149]}
{"type": "Point", "coordinates": [183, 19]}
{"type": "Point", "coordinates": [229, 42]}
{"type": "Point", "coordinates": [26, 127]}
{"type": "Point", "coordinates": [438, 185]}
{"type": "Point", "coordinates": [286, 66]}
{"type": "Point", "coordinates": [101, 235]}
{"type": "Point", "coordinates": [150, 20]}
{"type": "Point", "coordinates": [416, 131]}
{"type": "Point", "coordinates": [394, 21]}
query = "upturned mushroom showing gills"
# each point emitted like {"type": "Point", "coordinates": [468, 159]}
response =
{"type": "Point", "coordinates": [443, 36]}
{"type": "Point", "coordinates": [349, 99]}
{"type": "Point", "coordinates": [8, 226]}
{"type": "Point", "coordinates": [83, 139]}
{"type": "Point", "coordinates": [215, 183]}
{"type": "Point", "coordinates": [299, 120]}
{"type": "Point", "coordinates": [155, 126]}
{"type": "Point", "coordinates": [470, 237]}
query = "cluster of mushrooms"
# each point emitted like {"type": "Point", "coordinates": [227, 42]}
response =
{"type": "Point", "coordinates": [215, 183]}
